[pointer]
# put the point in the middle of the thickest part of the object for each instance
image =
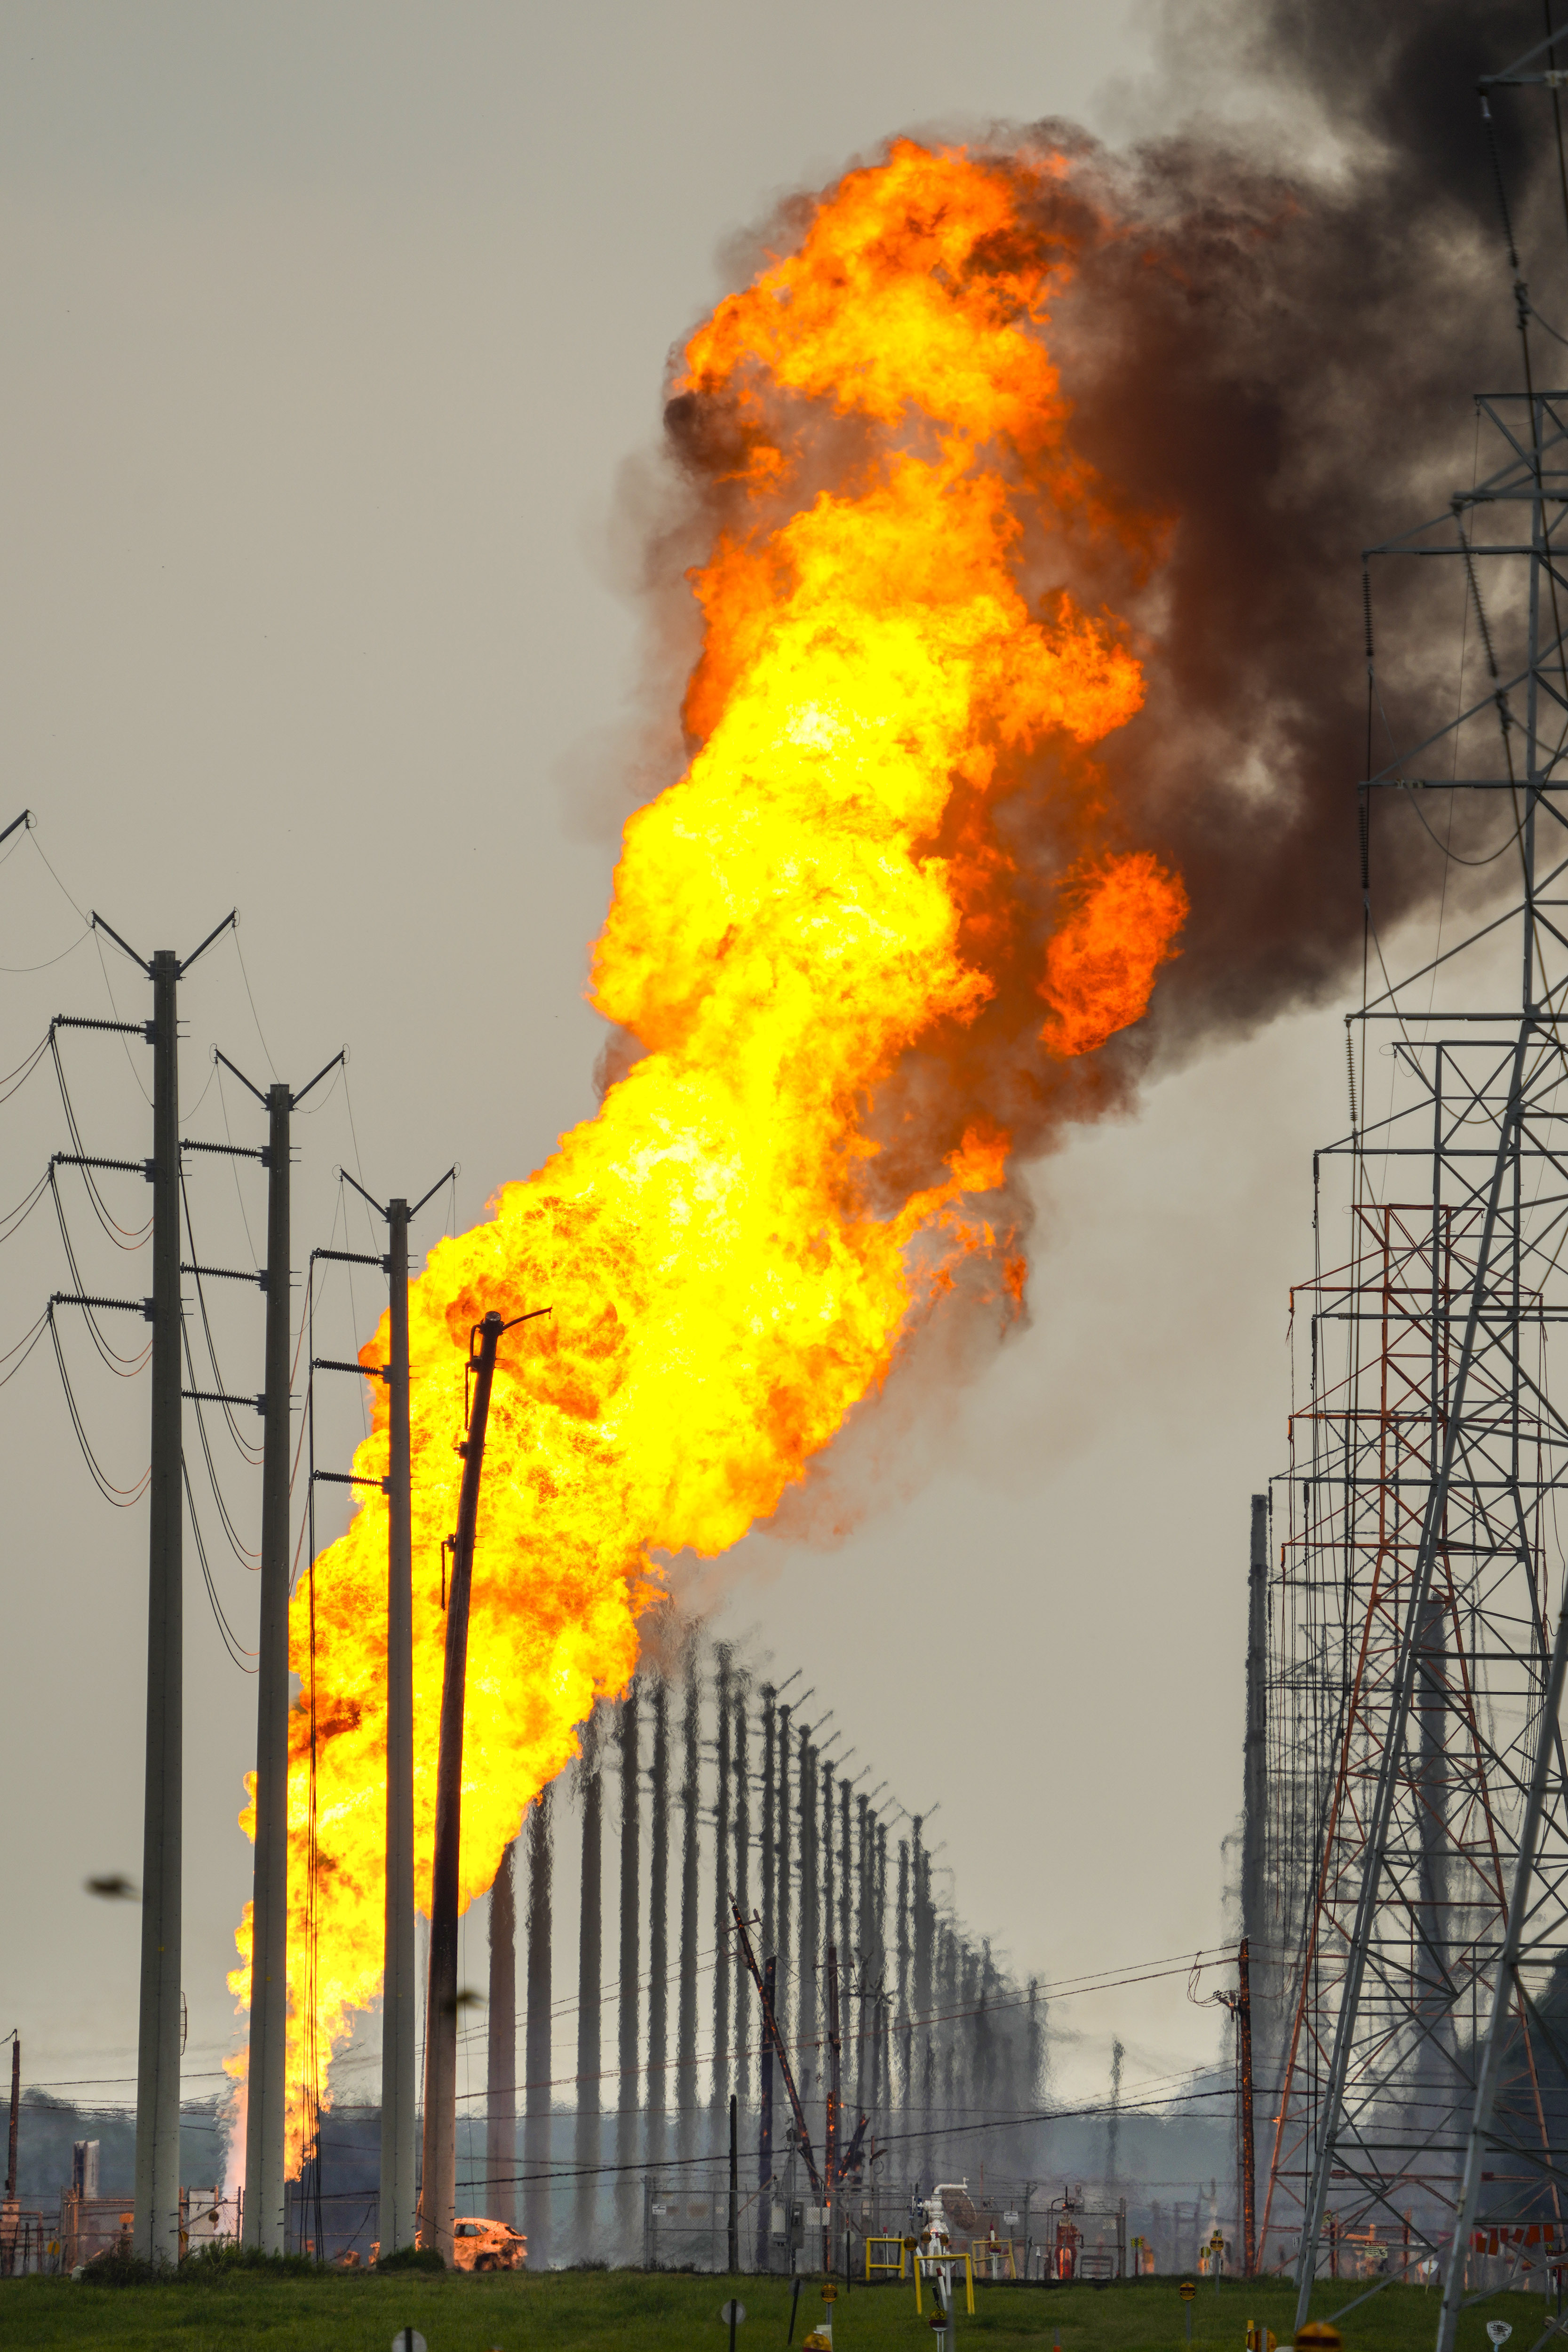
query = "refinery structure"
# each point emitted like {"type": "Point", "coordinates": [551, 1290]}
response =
{"type": "Point", "coordinates": [572, 1919]}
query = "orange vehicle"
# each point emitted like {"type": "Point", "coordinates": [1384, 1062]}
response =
{"type": "Point", "coordinates": [481, 2245]}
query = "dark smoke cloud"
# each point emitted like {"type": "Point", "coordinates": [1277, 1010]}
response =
{"type": "Point", "coordinates": [1281, 313]}
{"type": "Point", "coordinates": [1285, 294]}
{"type": "Point", "coordinates": [1291, 278]}
{"type": "Point", "coordinates": [1287, 363]}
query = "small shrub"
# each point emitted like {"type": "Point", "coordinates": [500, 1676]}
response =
{"type": "Point", "coordinates": [222, 2259]}
{"type": "Point", "coordinates": [120, 2268]}
{"type": "Point", "coordinates": [412, 2258]}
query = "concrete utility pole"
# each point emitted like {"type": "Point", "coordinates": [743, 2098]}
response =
{"type": "Point", "coordinates": [721, 1858]}
{"type": "Point", "coordinates": [440, 2182]}
{"type": "Point", "coordinates": [156, 2227]}
{"type": "Point", "coordinates": [658, 2099]}
{"type": "Point", "coordinates": [500, 2071]}
{"type": "Point", "coordinates": [157, 2196]}
{"type": "Point", "coordinates": [766, 2120]}
{"type": "Point", "coordinates": [397, 2219]}
{"type": "Point", "coordinates": [266, 2197]}
{"type": "Point", "coordinates": [627, 2001]}
{"type": "Point", "coordinates": [686, 2093]}
{"type": "Point", "coordinates": [400, 1991]}
{"type": "Point", "coordinates": [732, 2247]}
{"type": "Point", "coordinates": [10, 2219]}
{"type": "Point", "coordinates": [1249, 2169]}
{"type": "Point", "coordinates": [265, 2209]}
{"type": "Point", "coordinates": [1255, 1783]}
{"type": "Point", "coordinates": [831, 2131]}
{"type": "Point", "coordinates": [536, 2048]}
{"type": "Point", "coordinates": [587, 2151]}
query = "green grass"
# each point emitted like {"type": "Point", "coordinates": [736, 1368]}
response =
{"type": "Point", "coordinates": [633, 2311]}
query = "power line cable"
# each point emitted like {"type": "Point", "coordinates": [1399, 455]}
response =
{"type": "Point", "coordinates": [123, 1498]}
{"type": "Point", "coordinates": [65, 894]}
{"type": "Point", "coordinates": [231, 1640]}
{"type": "Point", "coordinates": [28, 1342]}
{"type": "Point", "coordinates": [15, 1219]}
{"type": "Point", "coordinates": [246, 1558]}
{"type": "Point", "coordinates": [255, 1016]}
{"type": "Point", "coordinates": [125, 1237]}
{"type": "Point", "coordinates": [108, 992]}
{"type": "Point", "coordinates": [18, 969]}
{"type": "Point", "coordinates": [234, 1164]}
{"type": "Point", "coordinates": [124, 1366]}
{"type": "Point", "coordinates": [251, 1453]}
{"type": "Point", "coordinates": [14, 1080]}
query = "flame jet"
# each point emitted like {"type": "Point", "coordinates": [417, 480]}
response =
{"type": "Point", "coordinates": [732, 1253]}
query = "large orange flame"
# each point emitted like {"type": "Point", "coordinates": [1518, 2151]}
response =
{"type": "Point", "coordinates": [727, 1273]}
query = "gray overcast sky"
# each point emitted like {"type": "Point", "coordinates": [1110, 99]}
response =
{"type": "Point", "coordinates": [329, 331]}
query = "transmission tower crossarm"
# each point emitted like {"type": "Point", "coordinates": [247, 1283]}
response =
{"type": "Point", "coordinates": [770, 2026]}
{"type": "Point", "coordinates": [1504, 1990]}
{"type": "Point", "coordinates": [1391, 1762]}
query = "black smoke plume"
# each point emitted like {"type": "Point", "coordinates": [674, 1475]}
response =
{"type": "Point", "coordinates": [1284, 299]}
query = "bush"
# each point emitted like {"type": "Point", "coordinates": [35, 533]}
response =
{"type": "Point", "coordinates": [117, 2268]}
{"type": "Point", "coordinates": [120, 2268]}
{"type": "Point", "coordinates": [412, 2258]}
{"type": "Point", "coordinates": [221, 2258]}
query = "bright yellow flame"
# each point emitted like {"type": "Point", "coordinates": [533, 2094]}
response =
{"type": "Point", "coordinates": [783, 931]}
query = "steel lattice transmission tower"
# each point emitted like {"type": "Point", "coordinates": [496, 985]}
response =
{"type": "Point", "coordinates": [1421, 1558]}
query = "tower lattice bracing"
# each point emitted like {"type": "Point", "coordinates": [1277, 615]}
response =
{"type": "Point", "coordinates": [1417, 1539]}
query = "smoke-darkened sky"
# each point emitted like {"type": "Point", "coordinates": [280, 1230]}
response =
{"type": "Point", "coordinates": [333, 337]}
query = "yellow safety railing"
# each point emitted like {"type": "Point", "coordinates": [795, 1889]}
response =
{"type": "Point", "coordinates": [995, 2250]}
{"type": "Point", "coordinates": [877, 2260]}
{"type": "Point", "coordinates": [935, 2261]}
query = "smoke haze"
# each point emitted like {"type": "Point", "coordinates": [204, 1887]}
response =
{"type": "Point", "coordinates": [1276, 316]}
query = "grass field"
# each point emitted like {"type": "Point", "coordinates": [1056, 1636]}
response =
{"type": "Point", "coordinates": [571, 2311]}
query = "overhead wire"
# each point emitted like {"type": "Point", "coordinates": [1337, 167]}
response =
{"type": "Point", "coordinates": [123, 1498]}
{"type": "Point", "coordinates": [234, 1164]}
{"type": "Point", "coordinates": [124, 1366]}
{"type": "Point", "coordinates": [26, 1343]}
{"type": "Point", "coordinates": [14, 1080]}
{"type": "Point", "coordinates": [32, 835]}
{"type": "Point", "coordinates": [266, 1048]}
{"type": "Point", "coordinates": [246, 1558]}
{"type": "Point", "coordinates": [18, 971]}
{"type": "Point", "coordinates": [232, 1643]}
{"type": "Point", "coordinates": [252, 1453]}
{"type": "Point", "coordinates": [15, 1219]}
{"type": "Point", "coordinates": [109, 991]}
{"type": "Point", "coordinates": [125, 1237]}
